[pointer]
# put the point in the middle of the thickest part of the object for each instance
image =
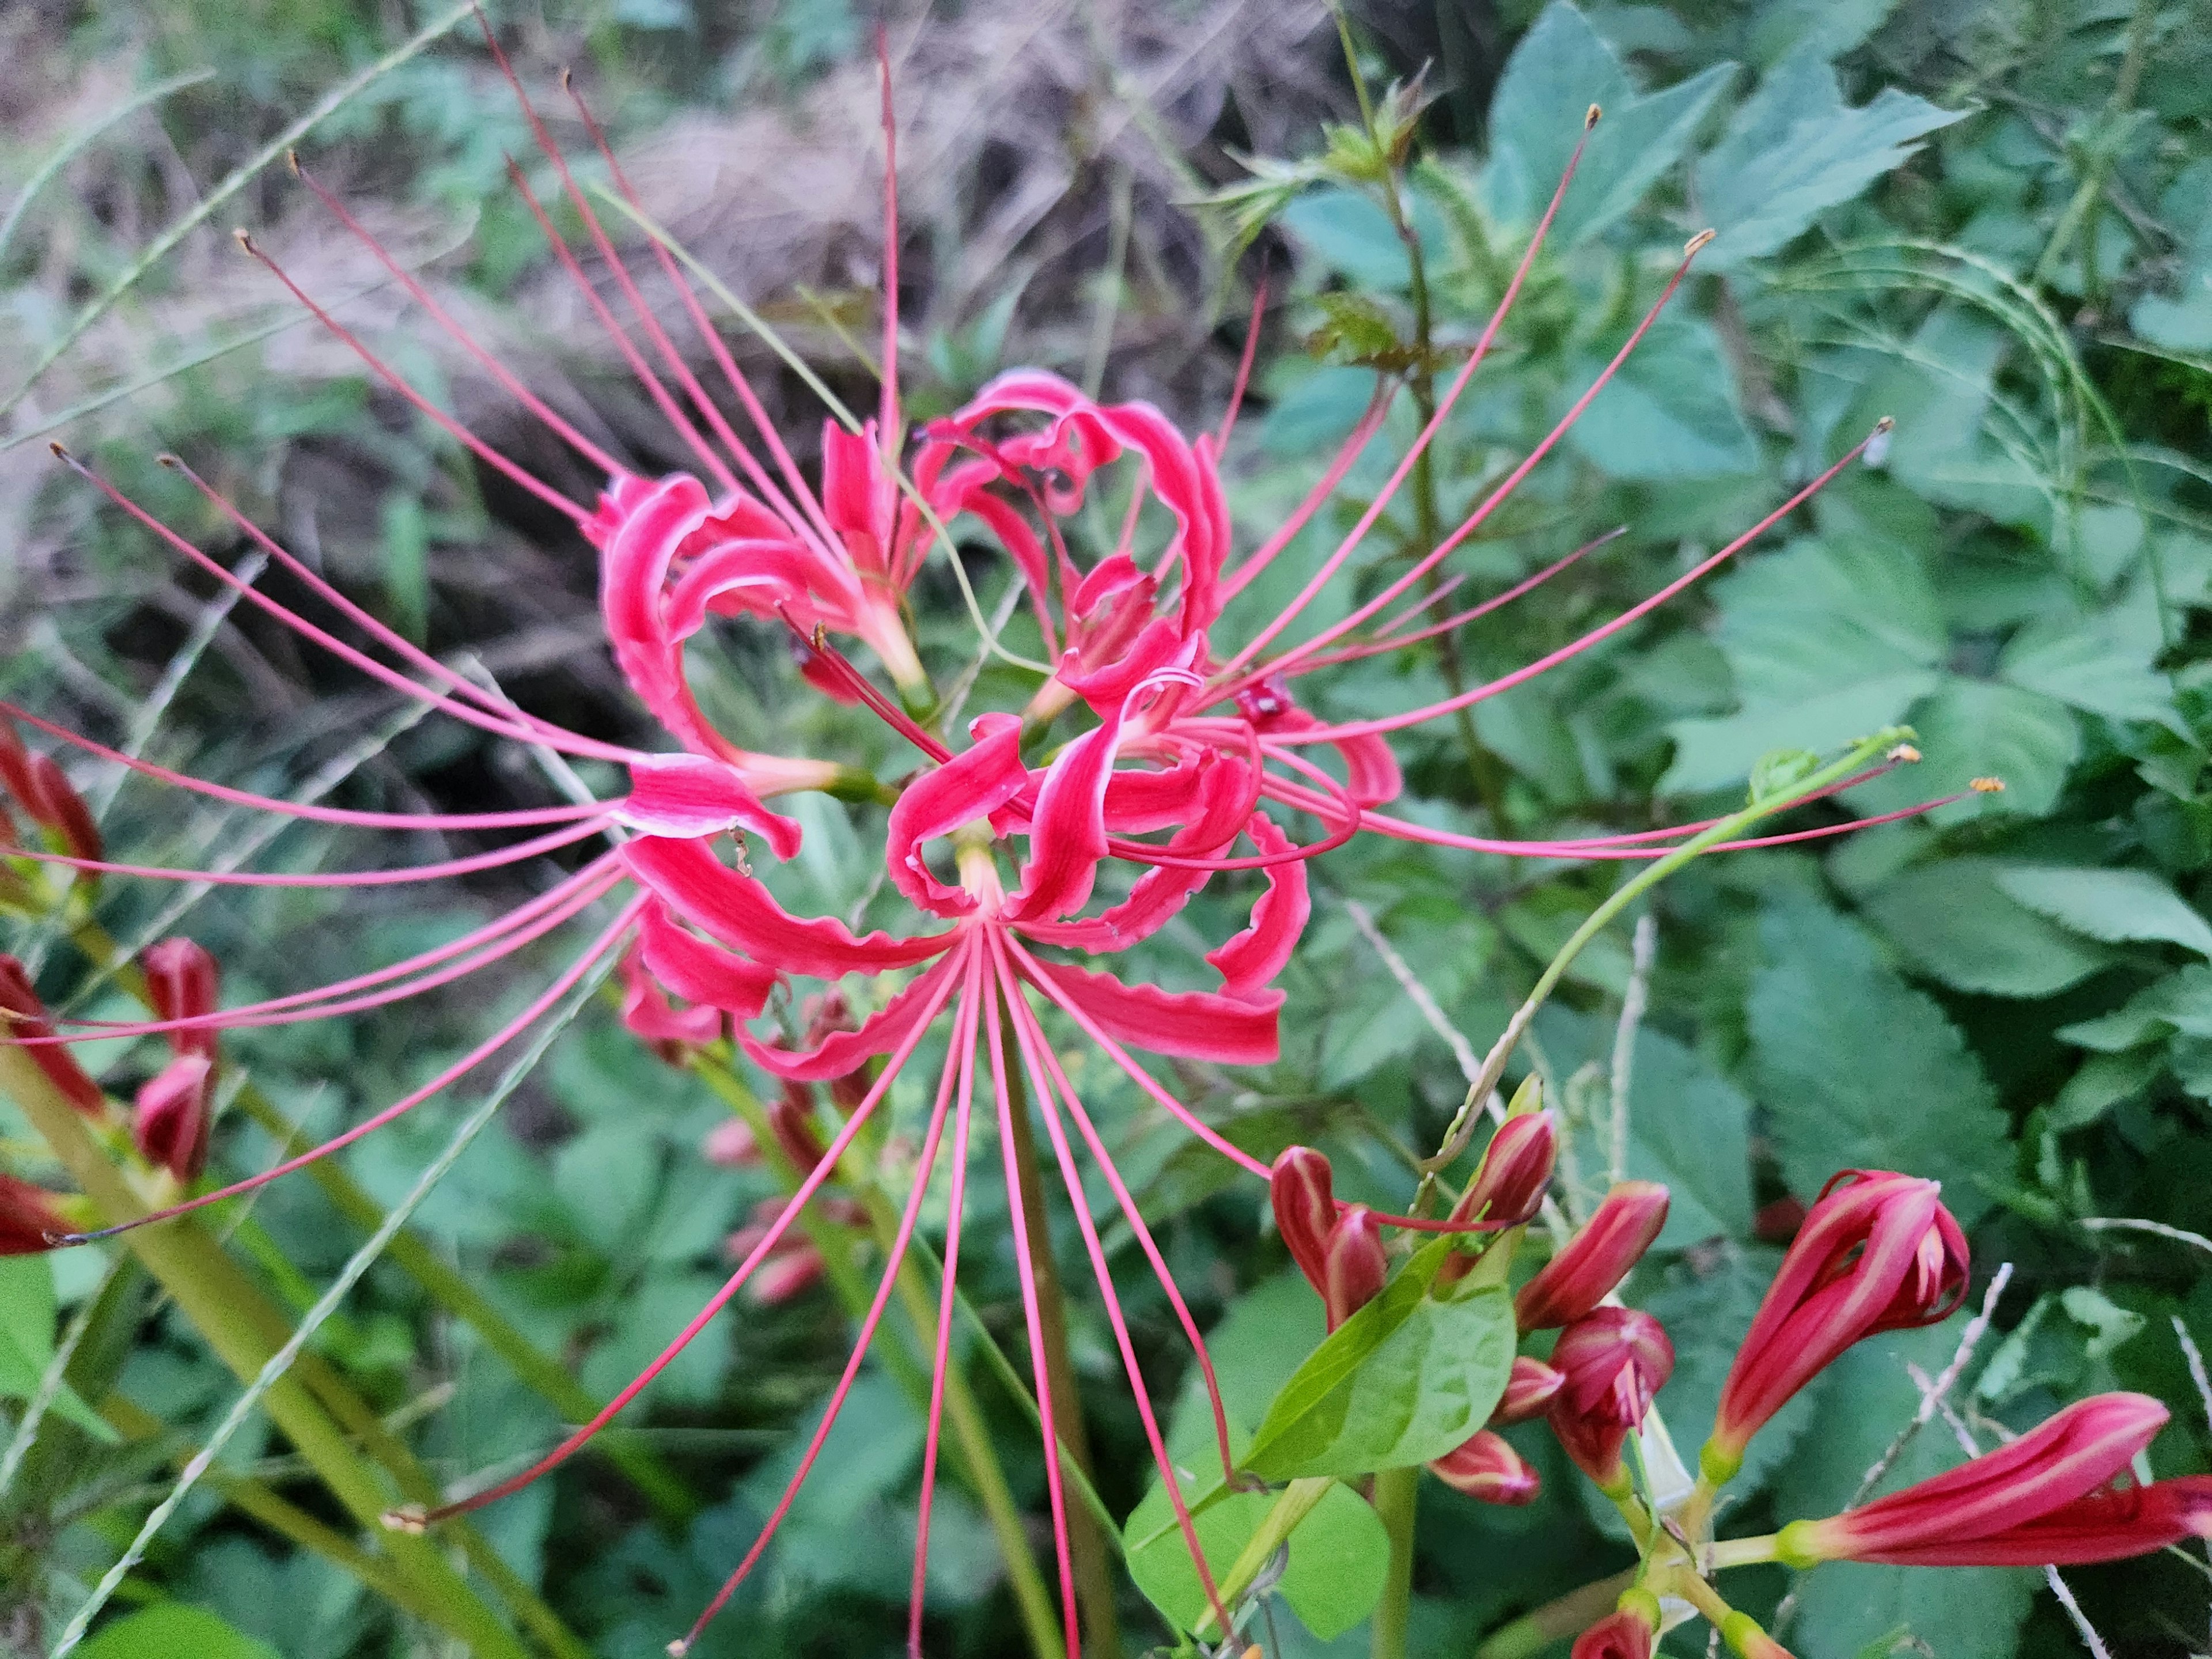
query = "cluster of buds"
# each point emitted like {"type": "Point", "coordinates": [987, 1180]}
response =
{"type": "Point", "coordinates": [1338, 1247]}
{"type": "Point", "coordinates": [794, 1262]}
{"type": "Point", "coordinates": [36, 785]}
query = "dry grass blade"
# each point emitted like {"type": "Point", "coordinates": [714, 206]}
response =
{"type": "Point", "coordinates": [78, 142]}
{"type": "Point", "coordinates": [333, 101]}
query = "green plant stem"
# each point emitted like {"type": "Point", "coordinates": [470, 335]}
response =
{"type": "Point", "coordinates": [1094, 1583]}
{"type": "Point", "coordinates": [1860, 754]}
{"type": "Point", "coordinates": [441, 1282]}
{"type": "Point", "coordinates": [1576, 1611]}
{"type": "Point", "coordinates": [245, 1331]}
{"type": "Point", "coordinates": [1397, 1495]}
{"type": "Point", "coordinates": [2079, 207]}
{"type": "Point", "coordinates": [1292, 1506]}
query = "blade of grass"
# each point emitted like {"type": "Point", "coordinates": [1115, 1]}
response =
{"type": "Point", "coordinates": [77, 143]}
{"type": "Point", "coordinates": [329, 105]}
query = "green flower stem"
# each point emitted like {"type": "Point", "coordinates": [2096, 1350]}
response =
{"type": "Point", "coordinates": [1292, 1506]}
{"type": "Point", "coordinates": [246, 1330]}
{"type": "Point", "coordinates": [1094, 1583]}
{"type": "Point", "coordinates": [1861, 755]}
{"type": "Point", "coordinates": [254, 1499]}
{"type": "Point", "coordinates": [1573, 1613]}
{"type": "Point", "coordinates": [1740, 1552]}
{"type": "Point", "coordinates": [412, 1255]}
{"type": "Point", "coordinates": [1397, 1495]}
{"type": "Point", "coordinates": [974, 1453]}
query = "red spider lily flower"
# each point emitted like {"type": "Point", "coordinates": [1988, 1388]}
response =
{"type": "Point", "coordinates": [2041, 1500]}
{"type": "Point", "coordinates": [1192, 757]}
{"type": "Point", "coordinates": [1877, 1252]}
{"type": "Point", "coordinates": [1489, 1471]}
{"type": "Point", "coordinates": [1597, 1258]}
{"type": "Point", "coordinates": [24, 1019]}
{"type": "Point", "coordinates": [1530, 1388]}
{"type": "Point", "coordinates": [29, 1219]}
{"type": "Point", "coordinates": [1630, 1634]}
{"type": "Point", "coordinates": [1614, 1360]}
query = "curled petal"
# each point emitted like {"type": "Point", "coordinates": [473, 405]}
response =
{"type": "Point", "coordinates": [1067, 836]}
{"type": "Point", "coordinates": [841, 1053]}
{"type": "Point", "coordinates": [688, 795]}
{"type": "Point", "coordinates": [1195, 1024]}
{"type": "Point", "coordinates": [1251, 959]}
{"type": "Point", "coordinates": [1489, 1471]}
{"type": "Point", "coordinates": [647, 1013]}
{"type": "Point", "coordinates": [700, 972]}
{"type": "Point", "coordinates": [742, 914]}
{"type": "Point", "coordinates": [972, 785]}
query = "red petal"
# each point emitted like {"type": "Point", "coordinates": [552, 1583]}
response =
{"type": "Point", "coordinates": [1253, 958]}
{"type": "Point", "coordinates": [971, 785]}
{"type": "Point", "coordinates": [1197, 1024]}
{"type": "Point", "coordinates": [699, 972]}
{"type": "Point", "coordinates": [840, 1052]}
{"type": "Point", "coordinates": [690, 795]}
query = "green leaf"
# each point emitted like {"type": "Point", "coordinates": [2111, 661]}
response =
{"type": "Point", "coordinates": [1825, 29]}
{"type": "Point", "coordinates": [1339, 1556]}
{"type": "Point", "coordinates": [1352, 235]}
{"type": "Point", "coordinates": [1975, 729]}
{"type": "Point", "coordinates": [1671, 412]}
{"type": "Point", "coordinates": [1711, 753]}
{"type": "Point", "coordinates": [1407, 1378]}
{"type": "Point", "coordinates": [1795, 150]}
{"type": "Point", "coordinates": [171, 1631]}
{"type": "Point", "coordinates": [1559, 69]}
{"type": "Point", "coordinates": [1862, 1072]}
{"type": "Point", "coordinates": [2096, 664]}
{"type": "Point", "coordinates": [27, 1341]}
{"type": "Point", "coordinates": [1960, 1613]}
{"type": "Point", "coordinates": [2178, 1004]}
{"type": "Point", "coordinates": [1956, 923]}
{"type": "Point", "coordinates": [2112, 905]}
{"type": "Point", "coordinates": [2102, 1082]}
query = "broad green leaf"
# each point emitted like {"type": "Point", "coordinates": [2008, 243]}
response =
{"type": "Point", "coordinates": [1559, 69]}
{"type": "Point", "coordinates": [1959, 1613]}
{"type": "Point", "coordinates": [1825, 29]}
{"type": "Point", "coordinates": [1320, 410]}
{"type": "Point", "coordinates": [2102, 1082]}
{"type": "Point", "coordinates": [171, 1630]}
{"type": "Point", "coordinates": [1350, 235]}
{"type": "Point", "coordinates": [1795, 150]}
{"type": "Point", "coordinates": [1671, 412]}
{"type": "Point", "coordinates": [1407, 1378]}
{"type": "Point", "coordinates": [1975, 729]}
{"type": "Point", "coordinates": [1859, 1071]}
{"type": "Point", "coordinates": [2113, 905]}
{"type": "Point", "coordinates": [1711, 753]}
{"type": "Point", "coordinates": [1338, 1557]}
{"type": "Point", "coordinates": [27, 1341]}
{"type": "Point", "coordinates": [2093, 664]}
{"type": "Point", "coordinates": [1956, 923]}
{"type": "Point", "coordinates": [2178, 1004]}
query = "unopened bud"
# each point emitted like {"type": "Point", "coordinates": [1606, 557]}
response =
{"type": "Point", "coordinates": [731, 1144]}
{"type": "Point", "coordinates": [175, 1114]}
{"type": "Point", "coordinates": [182, 982]}
{"type": "Point", "coordinates": [1529, 1390]}
{"type": "Point", "coordinates": [27, 1217]}
{"type": "Point", "coordinates": [1614, 1360]}
{"type": "Point", "coordinates": [1301, 1192]}
{"type": "Point", "coordinates": [1748, 1640]}
{"type": "Point", "coordinates": [1629, 1633]}
{"type": "Point", "coordinates": [1355, 1268]}
{"type": "Point", "coordinates": [22, 1015]}
{"type": "Point", "coordinates": [57, 809]}
{"type": "Point", "coordinates": [1508, 1188]}
{"type": "Point", "coordinates": [1489, 1471]}
{"type": "Point", "coordinates": [1584, 1272]}
{"type": "Point", "coordinates": [791, 1119]}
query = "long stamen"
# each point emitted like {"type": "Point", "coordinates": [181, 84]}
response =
{"type": "Point", "coordinates": [1032, 1314]}
{"type": "Point", "coordinates": [1137, 1074]}
{"type": "Point", "coordinates": [863, 689]}
{"type": "Point", "coordinates": [499, 1039]}
{"type": "Point", "coordinates": [1243, 379]}
{"type": "Point", "coordinates": [971, 995]}
{"type": "Point", "coordinates": [896, 1257]}
{"type": "Point", "coordinates": [399, 877]}
{"type": "Point", "coordinates": [417, 1520]}
{"type": "Point", "coordinates": [1383, 497]}
{"type": "Point", "coordinates": [445, 701]}
{"type": "Point", "coordinates": [554, 422]}
{"type": "Point", "coordinates": [522, 818]}
{"type": "Point", "coordinates": [1635, 612]}
{"type": "Point", "coordinates": [1322, 493]}
{"type": "Point", "coordinates": [1073, 1178]}
{"type": "Point", "coordinates": [1496, 498]}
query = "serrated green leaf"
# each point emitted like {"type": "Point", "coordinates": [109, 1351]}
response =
{"type": "Point", "coordinates": [1350, 235]}
{"type": "Point", "coordinates": [1671, 412]}
{"type": "Point", "coordinates": [1795, 150]}
{"type": "Point", "coordinates": [1711, 753]}
{"type": "Point", "coordinates": [2113, 905]}
{"type": "Point", "coordinates": [1860, 1071]}
{"type": "Point", "coordinates": [1955, 922]}
{"type": "Point", "coordinates": [1407, 1378]}
{"type": "Point", "coordinates": [2180, 1003]}
{"type": "Point", "coordinates": [1826, 29]}
{"type": "Point", "coordinates": [2096, 664]}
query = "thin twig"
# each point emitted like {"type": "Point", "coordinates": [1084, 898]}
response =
{"type": "Point", "coordinates": [1470, 1064]}
{"type": "Point", "coordinates": [1643, 952]}
{"type": "Point", "coordinates": [1941, 1387]}
{"type": "Point", "coordinates": [2098, 1224]}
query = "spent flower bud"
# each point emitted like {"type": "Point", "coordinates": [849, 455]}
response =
{"type": "Point", "coordinates": [175, 1111]}
{"type": "Point", "coordinates": [1489, 1471]}
{"type": "Point", "coordinates": [182, 982]}
{"type": "Point", "coordinates": [1596, 1259]}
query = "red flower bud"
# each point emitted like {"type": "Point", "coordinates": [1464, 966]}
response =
{"type": "Point", "coordinates": [731, 1144]}
{"type": "Point", "coordinates": [1613, 1361]}
{"type": "Point", "coordinates": [1300, 1189]}
{"type": "Point", "coordinates": [1596, 1259]}
{"type": "Point", "coordinates": [2040, 1500]}
{"type": "Point", "coordinates": [182, 982]}
{"type": "Point", "coordinates": [1876, 1252]}
{"type": "Point", "coordinates": [1528, 1391]}
{"type": "Point", "coordinates": [1355, 1268]}
{"type": "Point", "coordinates": [785, 1274]}
{"type": "Point", "coordinates": [791, 1120]}
{"type": "Point", "coordinates": [1489, 1471]}
{"type": "Point", "coordinates": [22, 1015]}
{"type": "Point", "coordinates": [1627, 1634]}
{"type": "Point", "coordinates": [55, 805]}
{"type": "Point", "coordinates": [26, 1216]}
{"type": "Point", "coordinates": [174, 1116]}
{"type": "Point", "coordinates": [15, 767]}
{"type": "Point", "coordinates": [1516, 1171]}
